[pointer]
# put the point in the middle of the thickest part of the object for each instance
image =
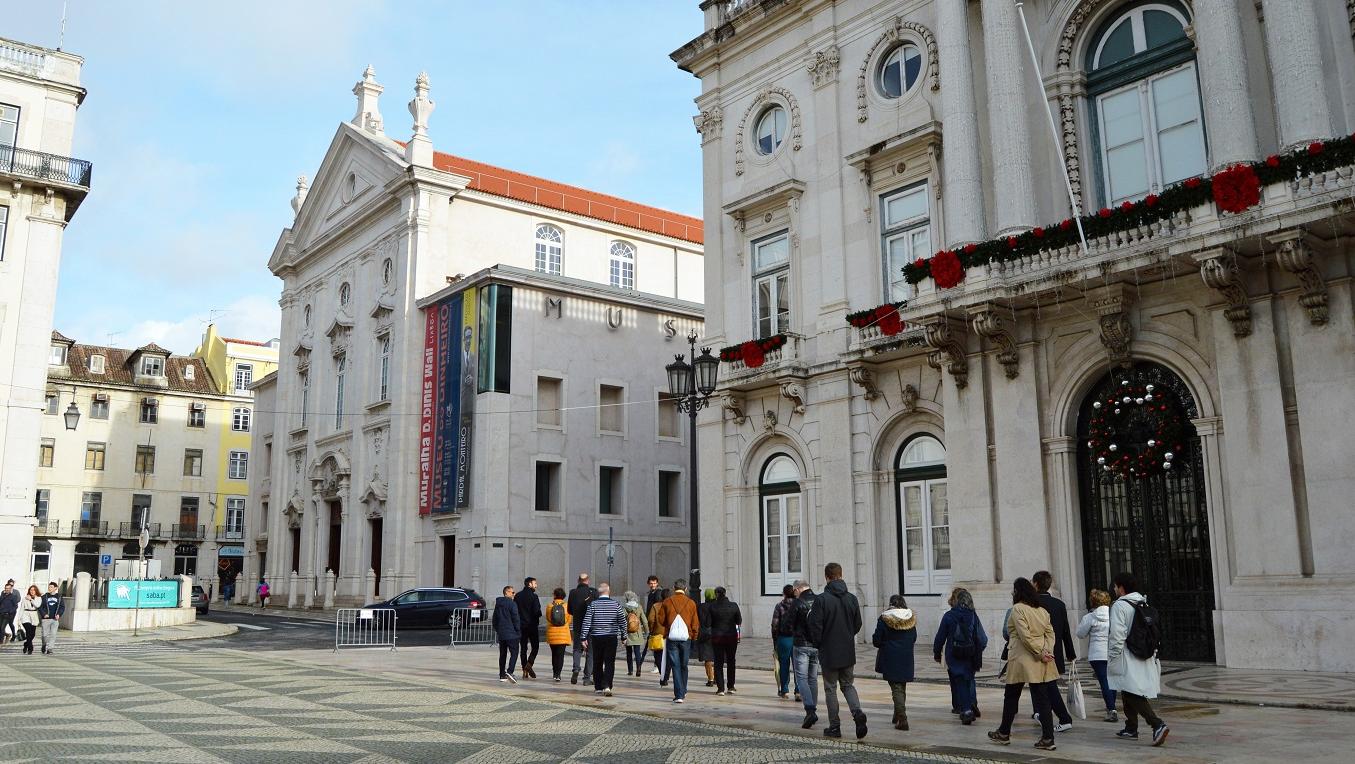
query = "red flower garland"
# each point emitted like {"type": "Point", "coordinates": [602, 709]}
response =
{"type": "Point", "coordinates": [887, 317]}
{"type": "Point", "coordinates": [1237, 189]}
{"type": "Point", "coordinates": [947, 270]}
{"type": "Point", "coordinates": [752, 354]}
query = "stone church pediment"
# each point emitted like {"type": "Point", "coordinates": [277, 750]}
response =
{"type": "Point", "coordinates": [351, 180]}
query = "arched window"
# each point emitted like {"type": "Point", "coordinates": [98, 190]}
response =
{"type": "Point", "coordinates": [550, 250]}
{"type": "Point", "coordinates": [924, 518]}
{"type": "Point", "coordinates": [345, 293]}
{"type": "Point", "coordinates": [1145, 96]}
{"type": "Point", "coordinates": [771, 130]}
{"type": "Point", "coordinates": [623, 265]}
{"type": "Point", "coordinates": [782, 521]}
{"type": "Point", "coordinates": [899, 70]}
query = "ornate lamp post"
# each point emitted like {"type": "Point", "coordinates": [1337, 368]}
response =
{"type": "Point", "coordinates": [692, 385]}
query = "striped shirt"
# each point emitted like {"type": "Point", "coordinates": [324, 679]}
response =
{"type": "Point", "coordinates": [605, 618]}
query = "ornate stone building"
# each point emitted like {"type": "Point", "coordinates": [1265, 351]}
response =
{"type": "Point", "coordinates": [948, 388]}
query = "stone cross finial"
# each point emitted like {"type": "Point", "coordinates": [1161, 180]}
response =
{"type": "Point", "coordinates": [419, 150]}
{"type": "Point", "coordinates": [302, 186]}
{"type": "Point", "coordinates": [368, 91]}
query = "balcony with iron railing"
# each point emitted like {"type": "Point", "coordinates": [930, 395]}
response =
{"type": "Point", "coordinates": [185, 531]}
{"type": "Point", "coordinates": [133, 530]}
{"type": "Point", "coordinates": [90, 528]}
{"type": "Point", "coordinates": [47, 527]}
{"type": "Point", "coordinates": [27, 164]}
{"type": "Point", "coordinates": [230, 533]}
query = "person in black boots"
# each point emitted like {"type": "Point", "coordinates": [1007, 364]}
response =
{"type": "Point", "coordinates": [834, 623]}
{"type": "Point", "coordinates": [507, 625]}
{"type": "Point", "coordinates": [725, 622]}
{"type": "Point", "coordinates": [579, 599]}
{"type": "Point", "coordinates": [529, 610]}
{"type": "Point", "coordinates": [1063, 647]}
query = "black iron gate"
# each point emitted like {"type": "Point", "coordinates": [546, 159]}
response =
{"type": "Point", "coordinates": [1150, 521]}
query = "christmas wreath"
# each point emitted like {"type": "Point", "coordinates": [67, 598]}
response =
{"type": "Point", "coordinates": [1136, 431]}
{"type": "Point", "coordinates": [1237, 189]}
{"type": "Point", "coordinates": [753, 353]}
{"type": "Point", "coordinates": [885, 316]}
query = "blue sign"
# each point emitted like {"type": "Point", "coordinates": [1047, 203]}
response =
{"type": "Point", "coordinates": [105, 560]}
{"type": "Point", "coordinates": [123, 593]}
{"type": "Point", "coordinates": [231, 551]}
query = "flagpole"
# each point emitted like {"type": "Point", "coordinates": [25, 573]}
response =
{"type": "Point", "coordinates": [1053, 128]}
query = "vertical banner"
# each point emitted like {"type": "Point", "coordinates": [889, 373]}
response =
{"type": "Point", "coordinates": [448, 430]}
{"type": "Point", "coordinates": [428, 405]}
{"type": "Point", "coordinates": [469, 376]}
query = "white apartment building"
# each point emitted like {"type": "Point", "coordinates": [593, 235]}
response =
{"type": "Point", "coordinates": [383, 242]}
{"type": "Point", "coordinates": [42, 188]}
{"type": "Point", "coordinates": [951, 390]}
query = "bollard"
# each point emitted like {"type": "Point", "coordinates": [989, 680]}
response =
{"type": "Point", "coordinates": [329, 589]}
{"type": "Point", "coordinates": [369, 586]}
{"type": "Point", "coordinates": [388, 586]}
{"type": "Point", "coordinates": [292, 587]}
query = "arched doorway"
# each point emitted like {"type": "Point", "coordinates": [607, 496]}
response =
{"type": "Point", "coordinates": [782, 520]}
{"type": "Point", "coordinates": [924, 516]}
{"type": "Point", "coordinates": [1142, 493]}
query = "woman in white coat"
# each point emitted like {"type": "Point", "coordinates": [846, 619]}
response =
{"type": "Point", "coordinates": [1138, 680]}
{"type": "Point", "coordinates": [1095, 628]}
{"type": "Point", "coordinates": [28, 616]}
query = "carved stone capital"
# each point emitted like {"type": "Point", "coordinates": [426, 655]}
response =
{"type": "Point", "coordinates": [1111, 304]}
{"type": "Point", "coordinates": [823, 66]}
{"type": "Point", "coordinates": [1294, 255]}
{"type": "Point", "coordinates": [944, 336]}
{"type": "Point", "coordinates": [733, 404]}
{"type": "Point", "coordinates": [1218, 268]}
{"type": "Point", "coordinates": [866, 379]}
{"type": "Point", "coordinates": [988, 324]}
{"type": "Point", "coordinates": [794, 392]}
{"type": "Point", "coordinates": [709, 124]}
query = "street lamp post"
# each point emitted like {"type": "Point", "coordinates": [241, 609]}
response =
{"type": "Point", "coordinates": [692, 385]}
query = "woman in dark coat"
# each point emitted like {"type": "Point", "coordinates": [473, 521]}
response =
{"type": "Point", "coordinates": [962, 623]}
{"type": "Point", "coordinates": [725, 620]}
{"type": "Point", "coordinates": [703, 650]}
{"type": "Point", "coordinates": [894, 638]}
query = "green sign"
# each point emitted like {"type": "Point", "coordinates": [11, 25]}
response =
{"type": "Point", "coordinates": [123, 593]}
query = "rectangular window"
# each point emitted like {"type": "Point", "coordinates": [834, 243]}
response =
{"type": "Point", "coordinates": [340, 370]}
{"type": "Point", "coordinates": [771, 285]}
{"type": "Point", "coordinates": [188, 514]}
{"type": "Point", "coordinates": [384, 377]}
{"type": "Point", "coordinates": [496, 338]}
{"type": "Point", "coordinates": [145, 460]}
{"type": "Point", "coordinates": [186, 564]}
{"type": "Point", "coordinates": [548, 392]}
{"type": "Point", "coordinates": [152, 366]}
{"type": "Point", "coordinates": [611, 408]}
{"type": "Point", "coordinates": [9, 128]}
{"type": "Point", "coordinates": [98, 406]}
{"type": "Point", "coordinates": [1150, 135]}
{"type": "Point", "coordinates": [668, 416]}
{"type": "Point", "coordinates": [235, 518]}
{"type": "Point", "coordinates": [91, 506]}
{"type": "Point", "coordinates": [150, 411]}
{"type": "Point", "coordinates": [925, 518]}
{"type": "Point", "coordinates": [305, 395]}
{"type": "Point", "coordinates": [782, 561]}
{"type": "Point", "coordinates": [197, 415]}
{"type": "Point", "coordinates": [670, 494]}
{"type": "Point", "coordinates": [547, 486]}
{"type": "Point", "coordinates": [244, 377]}
{"type": "Point", "coordinates": [53, 401]}
{"type": "Point", "coordinates": [43, 501]}
{"type": "Point", "coordinates": [4, 223]}
{"type": "Point", "coordinates": [141, 511]}
{"type": "Point", "coordinates": [611, 500]}
{"type": "Point", "coordinates": [46, 452]}
{"type": "Point", "coordinates": [239, 465]}
{"type": "Point", "coordinates": [192, 462]}
{"type": "Point", "coordinates": [94, 456]}
{"type": "Point", "coordinates": [905, 219]}
{"type": "Point", "coordinates": [57, 356]}
{"type": "Point", "coordinates": [240, 419]}
{"type": "Point", "coordinates": [96, 364]}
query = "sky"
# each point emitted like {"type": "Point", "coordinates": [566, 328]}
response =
{"type": "Point", "coordinates": [200, 116]}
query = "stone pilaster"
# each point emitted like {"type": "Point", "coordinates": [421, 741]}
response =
{"type": "Point", "coordinates": [961, 169]}
{"type": "Point", "coordinates": [1297, 76]}
{"type": "Point", "coordinates": [1008, 124]}
{"type": "Point", "coordinates": [1223, 82]}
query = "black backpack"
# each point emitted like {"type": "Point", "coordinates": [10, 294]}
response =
{"type": "Point", "coordinates": [556, 616]}
{"type": "Point", "coordinates": [1145, 633]}
{"type": "Point", "coordinates": [963, 646]}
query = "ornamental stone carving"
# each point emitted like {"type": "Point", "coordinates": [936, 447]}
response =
{"type": "Point", "coordinates": [909, 398]}
{"type": "Point", "coordinates": [795, 393]}
{"type": "Point", "coordinates": [1067, 98]}
{"type": "Point", "coordinates": [948, 350]}
{"type": "Point", "coordinates": [769, 421]}
{"type": "Point", "coordinates": [768, 95]}
{"type": "Point", "coordinates": [823, 66]}
{"type": "Point", "coordinates": [988, 324]}
{"type": "Point", "coordinates": [1218, 268]}
{"type": "Point", "coordinates": [896, 32]}
{"type": "Point", "coordinates": [709, 124]}
{"type": "Point", "coordinates": [866, 379]}
{"type": "Point", "coordinates": [733, 404]}
{"type": "Point", "coordinates": [1294, 255]}
{"type": "Point", "coordinates": [1117, 332]}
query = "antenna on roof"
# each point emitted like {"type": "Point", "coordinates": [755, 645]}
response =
{"type": "Point", "coordinates": [109, 340]}
{"type": "Point", "coordinates": [61, 37]}
{"type": "Point", "coordinates": [213, 314]}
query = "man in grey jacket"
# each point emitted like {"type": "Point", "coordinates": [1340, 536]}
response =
{"type": "Point", "coordinates": [833, 625]}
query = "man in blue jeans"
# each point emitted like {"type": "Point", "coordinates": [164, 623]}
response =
{"type": "Point", "coordinates": [677, 609]}
{"type": "Point", "coordinates": [804, 654]}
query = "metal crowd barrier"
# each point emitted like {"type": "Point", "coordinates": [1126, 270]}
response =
{"type": "Point", "coordinates": [472, 626]}
{"type": "Point", "coordinates": [364, 627]}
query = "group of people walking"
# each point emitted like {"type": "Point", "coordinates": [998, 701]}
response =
{"type": "Point", "coordinates": [816, 634]}
{"type": "Point", "coordinates": [32, 613]}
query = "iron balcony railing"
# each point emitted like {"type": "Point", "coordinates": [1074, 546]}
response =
{"type": "Point", "coordinates": [93, 528]}
{"type": "Point", "coordinates": [42, 166]}
{"type": "Point", "coordinates": [133, 530]}
{"type": "Point", "coordinates": [230, 533]}
{"type": "Point", "coordinates": [186, 531]}
{"type": "Point", "coordinates": [47, 528]}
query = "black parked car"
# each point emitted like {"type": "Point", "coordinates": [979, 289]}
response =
{"type": "Point", "coordinates": [430, 607]}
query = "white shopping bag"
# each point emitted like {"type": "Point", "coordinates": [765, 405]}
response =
{"type": "Point", "coordinates": [1077, 703]}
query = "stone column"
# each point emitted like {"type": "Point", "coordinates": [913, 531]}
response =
{"type": "Point", "coordinates": [1008, 121]}
{"type": "Point", "coordinates": [1296, 73]}
{"type": "Point", "coordinates": [292, 587]}
{"type": "Point", "coordinates": [329, 589]}
{"type": "Point", "coordinates": [1223, 80]}
{"type": "Point", "coordinates": [961, 169]}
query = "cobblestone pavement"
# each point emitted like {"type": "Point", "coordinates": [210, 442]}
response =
{"type": "Point", "coordinates": [165, 704]}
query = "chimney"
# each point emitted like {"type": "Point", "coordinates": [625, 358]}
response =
{"type": "Point", "coordinates": [368, 92]}
{"type": "Point", "coordinates": [419, 150]}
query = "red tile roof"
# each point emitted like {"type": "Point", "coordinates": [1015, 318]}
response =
{"type": "Point", "coordinates": [245, 342]}
{"type": "Point", "coordinates": [118, 369]}
{"type": "Point", "coordinates": [547, 193]}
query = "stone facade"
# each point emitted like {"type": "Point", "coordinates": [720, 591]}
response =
{"type": "Point", "coordinates": [1242, 322]}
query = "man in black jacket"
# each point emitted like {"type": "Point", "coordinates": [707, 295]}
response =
{"type": "Point", "coordinates": [1063, 646]}
{"type": "Point", "coordinates": [653, 594]}
{"type": "Point", "coordinates": [529, 610]}
{"type": "Point", "coordinates": [805, 655]}
{"type": "Point", "coordinates": [834, 622]}
{"type": "Point", "coordinates": [577, 605]}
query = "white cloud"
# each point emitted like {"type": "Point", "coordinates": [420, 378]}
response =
{"type": "Point", "coordinates": [252, 317]}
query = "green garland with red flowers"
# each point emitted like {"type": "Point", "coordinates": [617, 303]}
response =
{"type": "Point", "coordinates": [753, 353]}
{"type": "Point", "coordinates": [1233, 190]}
{"type": "Point", "coordinates": [1136, 432]}
{"type": "Point", "coordinates": [885, 316]}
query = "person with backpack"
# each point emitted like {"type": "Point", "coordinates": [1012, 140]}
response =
{"type": "Point", "coordinates": [579, 600]}
{"type": "Point", "coordinates": [783, 638]}
{"type": "Point", "coordinates": [507, 624]}
{"type": "Point", "coordinates": [894, 639]}
{"type": "Point", "coordinates": [725, 623]}
{"type": "Point", "coordinates": [1095, 628]}
{"type": "Point", "coordinates": [834, 623]}
{"type": "Point", "coordinates": [558, 635]}
{"type": "Point", "coordinates": [677, 621]}
{"type": "Point", "coordinates": [960, 641]}
{"type": "Point", "coordinates": [1030, 660]}
{"type": "Point", "coordinates": [529, 609]}
{"type": "Point", "coordinates": [805, 655]}
{"type": "Point", "coordinates": [264, 592]}
{"type": "Point", "coordinates": [1132, 667]}
{"type": "Point", "coordinates": [637, 632]}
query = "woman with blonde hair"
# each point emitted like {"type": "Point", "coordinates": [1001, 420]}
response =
{"type": "Point", "coordinates": [637, 632]}
{"type": "Point", "coordinates": [1095, 628]}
